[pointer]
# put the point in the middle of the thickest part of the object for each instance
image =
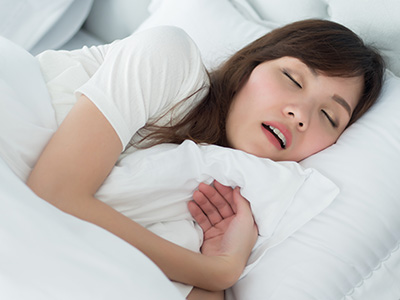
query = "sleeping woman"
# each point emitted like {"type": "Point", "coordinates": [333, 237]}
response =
{"type": "Point", "coordinates": [286, 96]}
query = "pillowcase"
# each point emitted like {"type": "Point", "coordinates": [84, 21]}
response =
{"type": "Point", "coordinates": [39, 25]}
{"type": "Point", "coordinates": [25, 22]}
{"type": "Point", "coordinates": [287, 11]}
{"type": "Point", "coordinates": [217, 27]}
{"type": "Point", "coordinates": [27, 119]}
{"type": "Point", "coordinates": [220, 28]}
{"type": "Point", "coordinates": [65, 28]}
{"type": "Point", "coordinates": [376, 22]}
{"type": "Point", "coordinates": [110, 20]}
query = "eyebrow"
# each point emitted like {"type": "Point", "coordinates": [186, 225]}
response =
{"type": "Point", "coordinates": [335, 97]}
{"type": "Point", "coordinates": [343, 103]}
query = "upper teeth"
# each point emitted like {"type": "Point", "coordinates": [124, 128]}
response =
{"type": "Point", "coordinates": [279, 134]}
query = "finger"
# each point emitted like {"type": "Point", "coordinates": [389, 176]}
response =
{"type": "Point", "coordinates": [217, 200]}
{"type": "Point", "coordinates": [225, 191]}
{"type": "Point", "coordinates": [199, 216]}
{"type": "Point", "coordinates": [207, 207]}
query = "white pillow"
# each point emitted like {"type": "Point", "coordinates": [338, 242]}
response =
{"type": "Point", "coordinates": [152, 187]}
{"type": "Point", "coordinates": [38, 25]}
{"type": "Point", "coordinates": [217, 27]}
{"type": "Point", "coordinates": [27, 118]}
{"type": "Point", "coordinates": [359, 234]}
{"type": "Point", "coordinates": [377, 22]}
{"type": "Point", "coordinates": [25, 22]}
{"type": "Point", "coordinates": [110, 20]}
{"type": "Point", "coordinates": [65, 28]}
{"type": "Point", "coordinates": [283, 195]}
{"type": "Point", "coordinates": [287, 11]}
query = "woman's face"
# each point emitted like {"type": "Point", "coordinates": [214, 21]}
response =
{"type": "Point", "coordinates": [287, 111]}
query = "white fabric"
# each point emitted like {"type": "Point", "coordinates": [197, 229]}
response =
{"type": "Point", "coordinates": [377, 22]}
{"type": "Point", "coordinates": [140, 82]}
{"type": "Point", "coordinates": [154, 185]}
{"type": "Point", "coordinates": [25, 22]}
{"type": "Point", "coordinates": [65, 28]}
{"type": "Point", "coordinates": [132, 81]}
{"type": "Point", "coordinates": [216, 26]}
{"type": "Point", "coordinates": [287, 11]}
{"type": "Point", "coordinates": [222, 27]}
{"type": "Point", "coordinates": [26, 115]}
{"type": "Point", "coordinates": [132, 72]}
{"type": "Point", "coordinates": [45, 253]}
{"type": "Point", "coordinates": [111, 19]}
{"type": "Point", "coordinates": [38, 25]}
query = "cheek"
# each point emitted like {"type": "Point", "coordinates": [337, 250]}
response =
{"type": "Point", "coordinates": [263, 85]}
{"type": "Point", "coordinates": [317, 141]}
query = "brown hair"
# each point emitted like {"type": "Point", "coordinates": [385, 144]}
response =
{"type": "Point", "coordinates": [325, 46]}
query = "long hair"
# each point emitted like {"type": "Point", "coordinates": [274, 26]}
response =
{"type": "Point", "coordinates": [325, 46]}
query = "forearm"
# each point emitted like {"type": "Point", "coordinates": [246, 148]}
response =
{"type": "Point", "coordinates": [200, 294]}
{"type": "Point", "coordinates": [72, 167]}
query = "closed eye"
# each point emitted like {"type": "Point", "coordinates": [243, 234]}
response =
{"type": "Point", "coordinates": [329, 118]}
{"type": "Point", "coordinates": [292, 79]}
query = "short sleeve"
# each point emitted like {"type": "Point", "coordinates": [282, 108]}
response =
{"type": "Point", "coordinates": [143, 76]}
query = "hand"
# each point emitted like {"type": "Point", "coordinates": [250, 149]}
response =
{"type": "Point", "coordinates": [227, 222]}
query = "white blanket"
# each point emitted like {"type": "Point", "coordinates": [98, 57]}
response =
{"type": "Point", "coordinates": [45, 253]}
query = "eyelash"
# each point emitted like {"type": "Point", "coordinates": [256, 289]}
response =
{"type": "Point", "coordinates": [329, 118]}
{"type": "Point", "coordinates": [299, 85]}
{"type": "Point", "coordinates": [292, 79]}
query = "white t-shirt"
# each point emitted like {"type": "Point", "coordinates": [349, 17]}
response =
{"type": "Point", "coordinates": [132, 81]}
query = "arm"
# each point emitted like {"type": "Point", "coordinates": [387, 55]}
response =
{"type": "Point", "coordinates": [217, 209]}
{"type": "Point", "coordinates": [74, 164]}
{"type": "Point", "coordinates": [200, 294]}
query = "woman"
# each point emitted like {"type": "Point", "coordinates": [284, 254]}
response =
{"type": "Point", "coordinates": [285, 96]}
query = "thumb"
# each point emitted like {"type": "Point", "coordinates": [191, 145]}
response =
{"type": "Point", "coordinates": [240, 203]}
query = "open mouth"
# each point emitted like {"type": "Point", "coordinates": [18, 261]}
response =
{"type": "Point", "coordinates": [277, 133]}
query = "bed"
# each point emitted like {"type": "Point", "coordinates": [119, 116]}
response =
{"type": "Point", "coordinates": [347, 249]}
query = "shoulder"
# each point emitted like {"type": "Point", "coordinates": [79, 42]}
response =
{"type": "Point", "coordinates": [170, 51]}
{"type": "Point", "coordinates": [169, 37]}
{"type": "Point", "coordinates": [163, 45]}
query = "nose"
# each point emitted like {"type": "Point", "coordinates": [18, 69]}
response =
{"type": "Point", "coordinates": [298, 115]}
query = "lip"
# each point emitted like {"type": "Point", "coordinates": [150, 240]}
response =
{"type": "Point", "coordinates": [283, 129]}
